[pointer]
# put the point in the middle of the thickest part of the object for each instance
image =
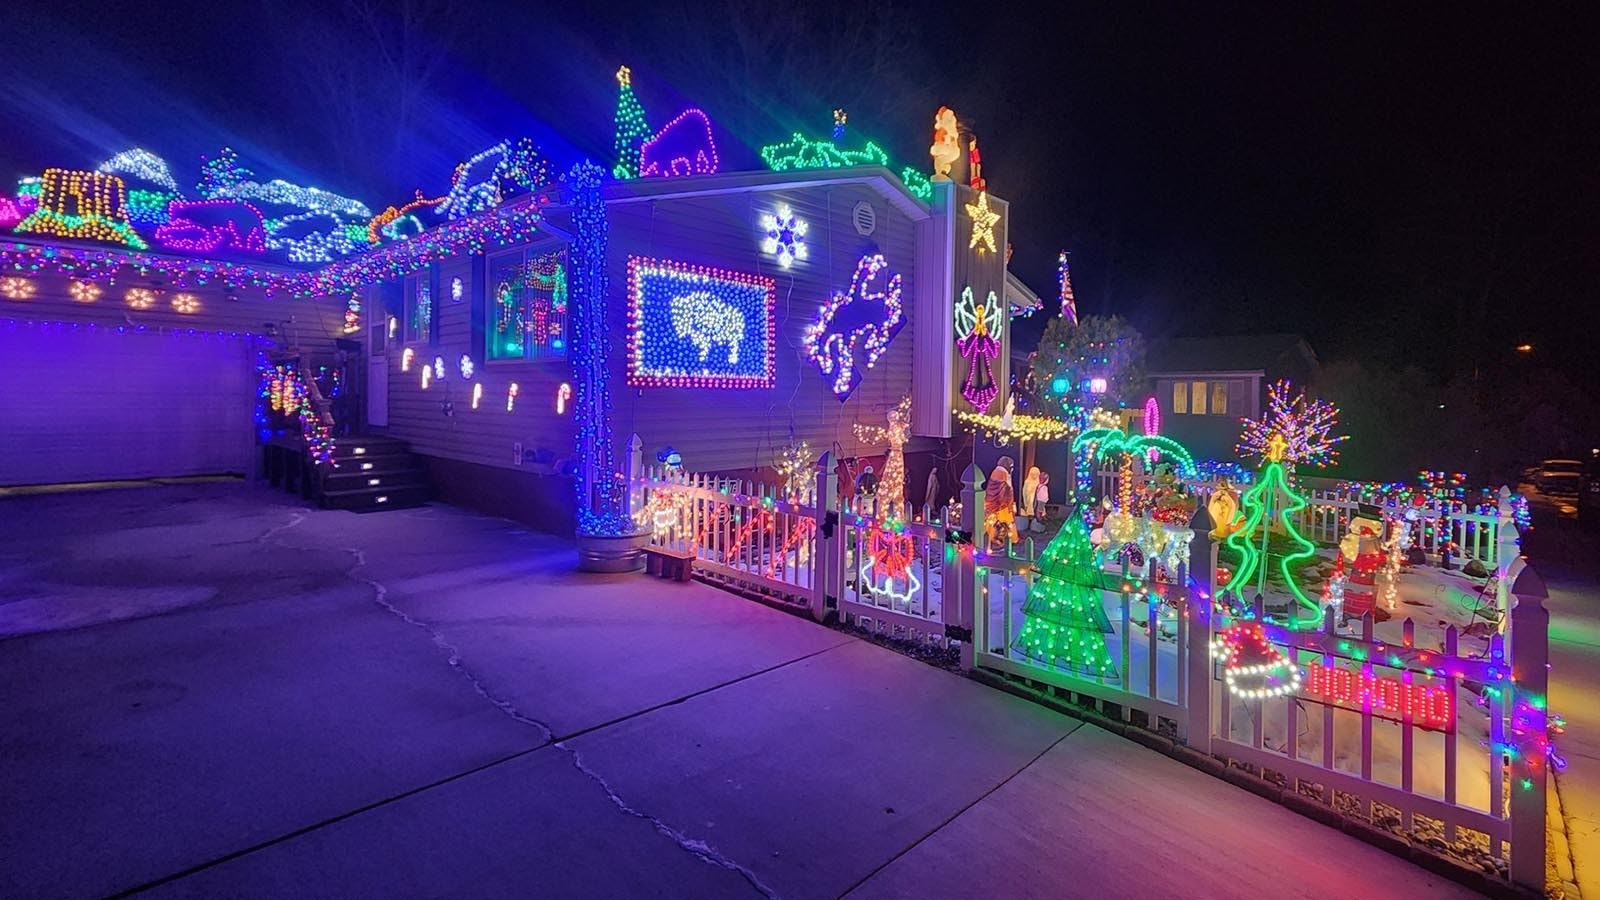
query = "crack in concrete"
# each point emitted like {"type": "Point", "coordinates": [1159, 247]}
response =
{"type": "Point", "coordinates": [1565, 819]}
{"type": "Point", "coordinates": [380, 594]}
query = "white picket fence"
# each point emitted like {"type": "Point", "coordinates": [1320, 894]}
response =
{"type": "Point", "coordinates": [1367, 745]}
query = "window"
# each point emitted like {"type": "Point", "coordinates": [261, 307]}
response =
{"type": "Point", "coordinates": [527, 298]}
{"type": "Point", "coordinates": [1197, 398]}
{"type": "Point", "coordinates": [419, 309]}
{"type": "Point", "coordinates": [1180, 397]}
{"type": "Point", "coordinates": [1219, 398]}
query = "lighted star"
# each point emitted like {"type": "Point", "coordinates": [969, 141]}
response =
{"type": "Point", "coordinates": [983, 219]}
{"type": "Point", "coordinates": [1276, 445]}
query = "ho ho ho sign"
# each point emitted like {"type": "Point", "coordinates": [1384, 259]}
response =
{"type": "Point", "coordinates": [1432, 707]}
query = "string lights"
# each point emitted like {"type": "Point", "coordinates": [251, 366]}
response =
{"type": "Point", "coordinates": [785, 235]}
{"type": "Point", "coordinates": [142, 165]}
{"type": "Point", "coordinates": [853, 329]}
{"type": "Point", "coordinates": [977, 329]}
{"type": "Point", "coordinates": [699, 326]}
{"type": "Point", "coordinates": [682, 147]}
{"type": "Point", "coordinates": [983, 222]}
{"type": "Point", "coordinates": [1017, 427]}
{"type": "Point", "coordinates": [1305, 426]}
{"type": "Point", "coordinates": [801, 152]}
{"type": "Point", "coordinates": [88, 206]}
{"type": "Point", "coordinates": [1252, 668]}
{"type": "Point", "coordinates": [599, 497]}
{"type": "Point", "coordinates": [631, 128]}
{"type": "Point", "coordinates": [204, 226]}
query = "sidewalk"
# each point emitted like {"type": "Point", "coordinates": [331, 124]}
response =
{"type": "Point", "coordinates": [282, 701]}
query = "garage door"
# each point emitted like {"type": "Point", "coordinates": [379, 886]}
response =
{"type": "Point", "coordinates": [82, 405]}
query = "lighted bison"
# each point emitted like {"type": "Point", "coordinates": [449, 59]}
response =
{"type": "Point", "coordinates": [706, 322]}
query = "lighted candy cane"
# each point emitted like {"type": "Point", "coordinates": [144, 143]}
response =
{"type": "Point", "coordinates": [477, 394]}
{"type": "Point", "coordinates": [427, 376]}
{"type": "Point", "coordinates": [563, 394]}
{"type": "Point", "coordinates": [511, 396]}
{"type": "Point", "coordinates": [405, 359]}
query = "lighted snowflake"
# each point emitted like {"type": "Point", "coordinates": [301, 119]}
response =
{"type": "Point", "coordinates": [84, 291]}
{"type": "Point", "coordinates": [15, 287]}
{"type": "Point", "coordinates": [186, 303]}
{"type": "Point", "coordinates": [786, 235]}
{"type": "Point", "coordinates": [466, 366]}
{"type": "Point", "coordinates": [1295, 429]}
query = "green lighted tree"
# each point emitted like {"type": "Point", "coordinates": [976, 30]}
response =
{"type": "Point", "coordinates": [632, 129]}
{"type": "Point", "coordinates": [1270, 501]}
{"type": "Point", "coordinates": [1066, 623]}
{"type": "Point", "coordinates": [1097, 361]}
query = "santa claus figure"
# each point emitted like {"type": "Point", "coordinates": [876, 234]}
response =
{"type": "Point", "coordinates": [946, 147]}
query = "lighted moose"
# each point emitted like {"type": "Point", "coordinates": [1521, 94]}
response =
{"type": "Point", "coordinates": [203, 226]}
{"type": "Point", "coordinates": [706, 322]}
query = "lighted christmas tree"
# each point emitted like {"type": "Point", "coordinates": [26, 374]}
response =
{"type": "Point", "coordinates": [1270, 505]}
{"type": "Point", "coordinates": [1065, 622]}
{"type": "Point", "coordinates": [632, 129]}
{"type": "Point", "coordinates": [222, 176]}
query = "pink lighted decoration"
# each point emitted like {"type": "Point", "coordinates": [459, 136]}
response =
{"type": "Point", "coordinates": [1152, 417]}
{"type": "Point", "coordinates": [202, 226]}
{"type": "Point", "coordinates": [10, 212]}
{"type": "Point", "coordinates": [682, 147]}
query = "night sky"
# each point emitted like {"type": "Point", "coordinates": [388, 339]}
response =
{"type": "Point", "coordinates": [1417, 189]}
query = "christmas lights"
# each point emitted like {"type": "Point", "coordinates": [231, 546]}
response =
{"type": "Point", "coordinates": [977, 337]}
{"type": "Point", "coordinates": [1065, 622]}
{"type": "Point", "coordinates": [785, 235]}
{"type": "Point", "coordinates": [142, 165]}
{"type": "Point", "coordinates": [15, 287]}
{"type": "Point", "coordinates": [682, 147]}
{"type": "Point", "coordinates": [382, 225]}
{"type": "Point", "coordinates": [697, 326]}
{"type": "Point", "coordinates": [427, 376]}
{"type": "Point", "coordinates": [438, 368]}
{"type": "Point", "coordinates": [1304, 425]}
{"type": "Point", "coordinates": [887, 563]}
{"type": "Point", "coordinates": [108, 265]}
{"type": "Point", "coordinates": [1250, 542]}
{"type": "Point", "coordinates": [800, 152]}
{"type": "Point", "coordinates": [983, 221]}
{"type": "Point", "coordinates": [853, 329]}
{"type": "Point", "coordinates": [1427, 706]}
{"type": "Point", "coordinates": [517, 169]}
{"type": "Point", "coordinates": [917, 183]}
{"type": "Point", "coordinates": [1333, 589]}
{"type": "Point", "coordinates": [511, 396]}
{"type": "Point", "coordinates": [203, 226]}
{"type": "Point", "coordinates": [563, 397]}
{"type": "Point", "coordinates": [892, 484]}
{"type": "Point", "coordinates": [185, 303]}
{"type": "Point", "coordinates": [528, 313]}
{"type": "Point", "coordinates": [792, 464]}
{"type": "Point", "coordinates": [1253, 668]}
{"type": "Point", "coordinates": [90, 206]}
{"type": "Point", "coordinates": [477, 394]}
{"type": "Point", "coordinates": [84, 291]}
{"type": "Point", "coordinates": [1152, 417]}
{"type": "Point", "coordinates": [1101, 441]}
{"type": "Point", "coordinates": [1069, 302]}
{"type": "Point", "coordinates": [10, 212]}
{"type": "Point", "coordinates": [148, 209]}
{"type": "Point", "coordinates": [631, 128]}
{"type": "Point", "coordinates": [140, 298]}
{"type": "Point", "coordinates": [352, 314]}
{"type": "Point", "coordinates": [221, 174]}
{"type": "Point", "coordinates": [406, 356]}
{"type": "Point", "coordinates": [465, 365]}
{"type": "Point", "coordinates": [600, 498]}
{"type": "Point", "coordinates": [1019, 427]}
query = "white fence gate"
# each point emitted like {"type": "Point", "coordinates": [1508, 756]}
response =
{"type": "Point", "coordinates": [1440, 742]}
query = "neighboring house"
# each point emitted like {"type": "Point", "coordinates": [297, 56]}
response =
{"type": "Point", "coordinates": [1205, 386]}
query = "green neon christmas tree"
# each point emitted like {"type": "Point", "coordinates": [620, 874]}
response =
{"type": "Point", "coordinates": [1261, 508]}
{"type": "Point", "coordinates": [1065, 623]}
{"type": "Point", "coordinates": [632, 129]}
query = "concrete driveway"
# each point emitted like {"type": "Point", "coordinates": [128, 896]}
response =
{"type": "Point", "coordinates": [206, 691]}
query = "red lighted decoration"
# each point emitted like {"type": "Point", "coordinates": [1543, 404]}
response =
{"type": "Point", "coordinates": [1431, 707]}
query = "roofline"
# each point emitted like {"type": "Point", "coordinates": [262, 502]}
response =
{"type": "Point", "coordinates": [885, 182]}
{"type": "Point", "coordinates": [1206, 373]}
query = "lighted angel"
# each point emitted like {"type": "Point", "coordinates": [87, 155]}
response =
{"type": "Point", "coordinates": [977, 337]}
{"type": "Point", "coordinates": [892, 484]}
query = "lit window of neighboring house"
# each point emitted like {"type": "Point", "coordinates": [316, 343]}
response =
{"type": "Point", "coordinates": [1219, 398]}
{"type": "Point", "coordinates": [1197, 398]}
{"type": "Point", "coordinates": [1180, 397]}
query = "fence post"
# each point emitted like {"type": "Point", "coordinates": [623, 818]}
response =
{"type": "Point", "coordinates": [827, 576]}
{"type": "Point", "coordinates": [632, 466]}
{"type": "Point", "coordinates": [1195, 633]}
{"type": "Point", "coordinates": [1529, 655]}
{"type": "Point", "coordinates": [971, 610]}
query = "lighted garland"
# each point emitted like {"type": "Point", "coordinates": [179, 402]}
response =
{"type": "Point", "coordinates": [1004, 429]}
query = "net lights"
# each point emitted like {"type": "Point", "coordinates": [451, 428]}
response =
{"type": "Point", "coordinates": [785, 235]}
{"type": "Point", "coordinates": [853, 329]}
{"type": "Point", "coordinates": [89, 206]}
{"type": "Point", "coordinates": [699, 326]}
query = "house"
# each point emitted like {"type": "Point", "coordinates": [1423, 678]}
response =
{"type": "Point", "coordinates": [1205, 386]}
{"type": "Point", "coordinates": [745, 312]}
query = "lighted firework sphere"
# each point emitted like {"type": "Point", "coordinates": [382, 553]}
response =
{"type": "Point", "coordinates": [1305, 425]}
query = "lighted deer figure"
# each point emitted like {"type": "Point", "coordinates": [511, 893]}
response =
{"type": "Point", "coordinates": [892, 485]}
